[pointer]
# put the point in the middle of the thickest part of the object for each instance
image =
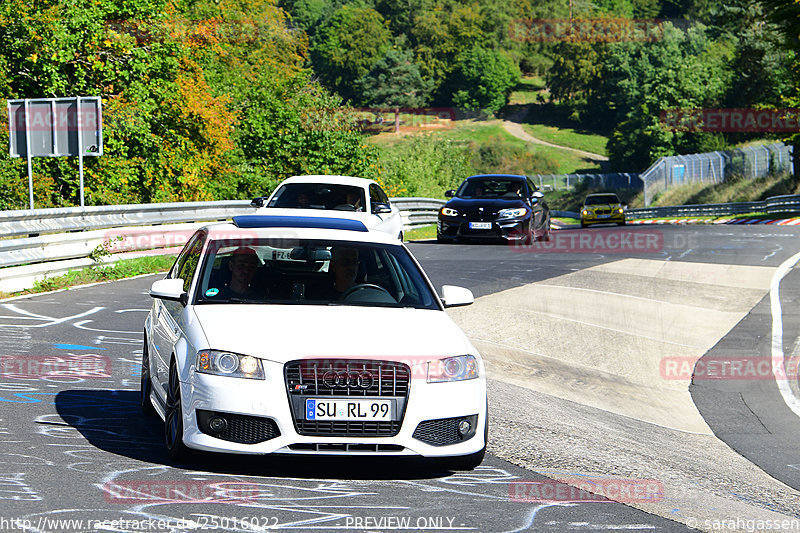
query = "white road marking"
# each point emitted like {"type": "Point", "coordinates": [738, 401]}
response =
{"type": "Point", "coordinates": [777, 334]}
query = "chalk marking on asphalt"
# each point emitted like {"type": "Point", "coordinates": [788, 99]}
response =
{"type": "Point", "coordinates": [777, 334]}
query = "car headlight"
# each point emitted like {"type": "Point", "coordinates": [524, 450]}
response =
{"type": "Point", "coordinates": [512, 213]}
{"type": "Point", "coordinates": [229, 364]}
{"type": "Point", "coordinates": [448, 212]}
{"type": "Point", "coordinates": [585, 212]}
{"type": "Point", "coordinates": [458, 368]}
{"type": "Point", "coordinates": [619, 210]}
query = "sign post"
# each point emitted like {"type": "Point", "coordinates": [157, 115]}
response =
{"type": "Point", "coordinates": [55, 127]}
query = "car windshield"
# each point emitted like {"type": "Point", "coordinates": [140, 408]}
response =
{"type": "Point", "coordinates": [491, 188]}
{"type": "Point", "coordinates": [601, 199]}
{"type": "Point", "coordinates": [312, 272]}
{"type": "Point", "coordinates": [319, 196]}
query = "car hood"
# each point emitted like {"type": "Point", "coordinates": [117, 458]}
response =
{"type": "Point", "coordinates": [602, 206]}
{"type": "Point", "coordinates": [282, 333]}
{"type": "Point", "coordinates": [493, 204]}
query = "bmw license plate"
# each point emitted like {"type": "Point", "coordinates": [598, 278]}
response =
{"type": "Point", "coordinates": [364, 410]}
{"type": "Point", "coordinates": [480, 225]}
{"type": "Point", "coordinates": [603, 216]}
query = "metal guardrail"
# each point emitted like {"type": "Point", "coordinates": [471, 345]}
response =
{"type": "Point", "coordinates": [42, 235]}
{"type": "Point", "coordinates": [773, 205]}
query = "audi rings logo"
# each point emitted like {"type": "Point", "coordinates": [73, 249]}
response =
{"type": "Point", "coordinates": [347, 380]}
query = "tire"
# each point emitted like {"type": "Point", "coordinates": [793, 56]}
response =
{"type": "Point", "coordinates": [173, 421]}
{"type": "Point", "coordinates": [583, 224]}
{"type": "Point", "coordinates": [145, 385]}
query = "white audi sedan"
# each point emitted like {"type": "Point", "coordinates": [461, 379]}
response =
{"type": "Point", "coordinates": [337, 196]}
{"type": "Point", "coordinates": [310, 335]}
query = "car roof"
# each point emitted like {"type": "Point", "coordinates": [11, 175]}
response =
{"type": "Point", "coordinates": [323, 178]}
{"type": "Point", "coordinates": [513, 176]}
{"type": "Point", "coordinates": [294, 227]}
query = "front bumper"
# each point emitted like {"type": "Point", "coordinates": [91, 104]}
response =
{"type": "Point", "coordinates": [613, 218]}
{"type": "Point", "coordinates": [508, 229]}
{"type": "Point", "coordinates": [265, 405]}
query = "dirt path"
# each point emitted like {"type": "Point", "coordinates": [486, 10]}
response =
{"type": "Point", "coordinates": [513, 126]}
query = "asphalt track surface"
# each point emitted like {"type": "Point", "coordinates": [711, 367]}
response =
{"type": "Point", "coordinates": [77, 448]}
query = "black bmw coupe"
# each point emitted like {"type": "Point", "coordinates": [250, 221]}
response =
{"type": "Point", "coordinates": [494, 207]}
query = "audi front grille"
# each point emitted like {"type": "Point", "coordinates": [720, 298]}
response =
{"type": "Point", "coordinates": [346, 379]}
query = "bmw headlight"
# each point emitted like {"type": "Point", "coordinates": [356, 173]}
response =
{"type": "Point", "coordinates": [619, 210]}
{"type": "Point", "coordinates": [459, 368]}
{"type": "Point", "coordinates": [585, 212]}
{"type": "Point", "coordinates": [512, 213]}
{"type": "Point", "coordinates": [448, 212]}
{"type": "Point", "coordinates": [229, 364]}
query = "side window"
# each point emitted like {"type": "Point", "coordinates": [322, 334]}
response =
{"type": "Point", "coordinates": [374, 198]}
{"type": "Point", "coordinates": [532, 187]}
{"type": "Point", "coordinates": [187, 262]}
{"type": "Point", "coordinates": [382, 195]}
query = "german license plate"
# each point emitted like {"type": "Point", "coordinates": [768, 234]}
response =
{"type": "Point", "coordinates": [480, 225]}
{"type": "Point", "coordinates": [603, 216]}
{"type": "Point", "coordinates": [364, 410]}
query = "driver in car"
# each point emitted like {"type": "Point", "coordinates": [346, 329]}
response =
{"type": "Point", "coordinates": [343, 270]}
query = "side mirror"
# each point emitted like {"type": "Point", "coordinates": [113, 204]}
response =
{"type": "Point", "coordinates": [378, 208]}
{"type": "Point", "coordinates": [259, 201]}
{"type": "Point", "coordinates": [453, 296]}
{"type": "Point", "coordinates": [449, 193]}
{"type": "Point", "coordinates": [169, 289]}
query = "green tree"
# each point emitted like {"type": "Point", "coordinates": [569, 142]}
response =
{"type": "Point", "coordinates": [348, 46]}
{"type": "Point", "coordinates": [395, 82]}
{"type": "Point", "coordinates": [483, 80]}
{"type": "Point", "coordinates": [439, 35]}
{"type": "Point", "coordinates": [642, 80]}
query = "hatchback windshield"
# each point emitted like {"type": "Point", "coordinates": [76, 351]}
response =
{"type": "Point", "coordinates": [491, 188]}
{"type": "Point", "coordinates": [602, 199]}
{"type": "Point", "coordinates": [313, 272]}
{"type": "Point", "coordinates": [319, 196]}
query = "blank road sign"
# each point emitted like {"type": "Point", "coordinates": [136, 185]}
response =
{"type": "Point", "coordinates": [52, 125]}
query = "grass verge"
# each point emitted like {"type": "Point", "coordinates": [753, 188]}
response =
{"type": "Point", "coordinates": [125, 268]}
{"type": "Point", "coordinates": [421, 233]}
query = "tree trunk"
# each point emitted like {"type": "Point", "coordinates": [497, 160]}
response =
{"type": "Point", "coordinates": [397, 120]}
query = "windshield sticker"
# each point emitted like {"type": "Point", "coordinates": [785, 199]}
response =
{"type": "Point", "coordinates": [212, 292]}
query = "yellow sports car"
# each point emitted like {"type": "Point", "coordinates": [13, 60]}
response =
{"type": "Point", "coordinates": [604, 208]}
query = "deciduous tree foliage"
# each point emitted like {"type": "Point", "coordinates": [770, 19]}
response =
{"type": "Point", "coordinates": [348, 46]}
{"type": "Point", "coordinates": [203, 99]}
